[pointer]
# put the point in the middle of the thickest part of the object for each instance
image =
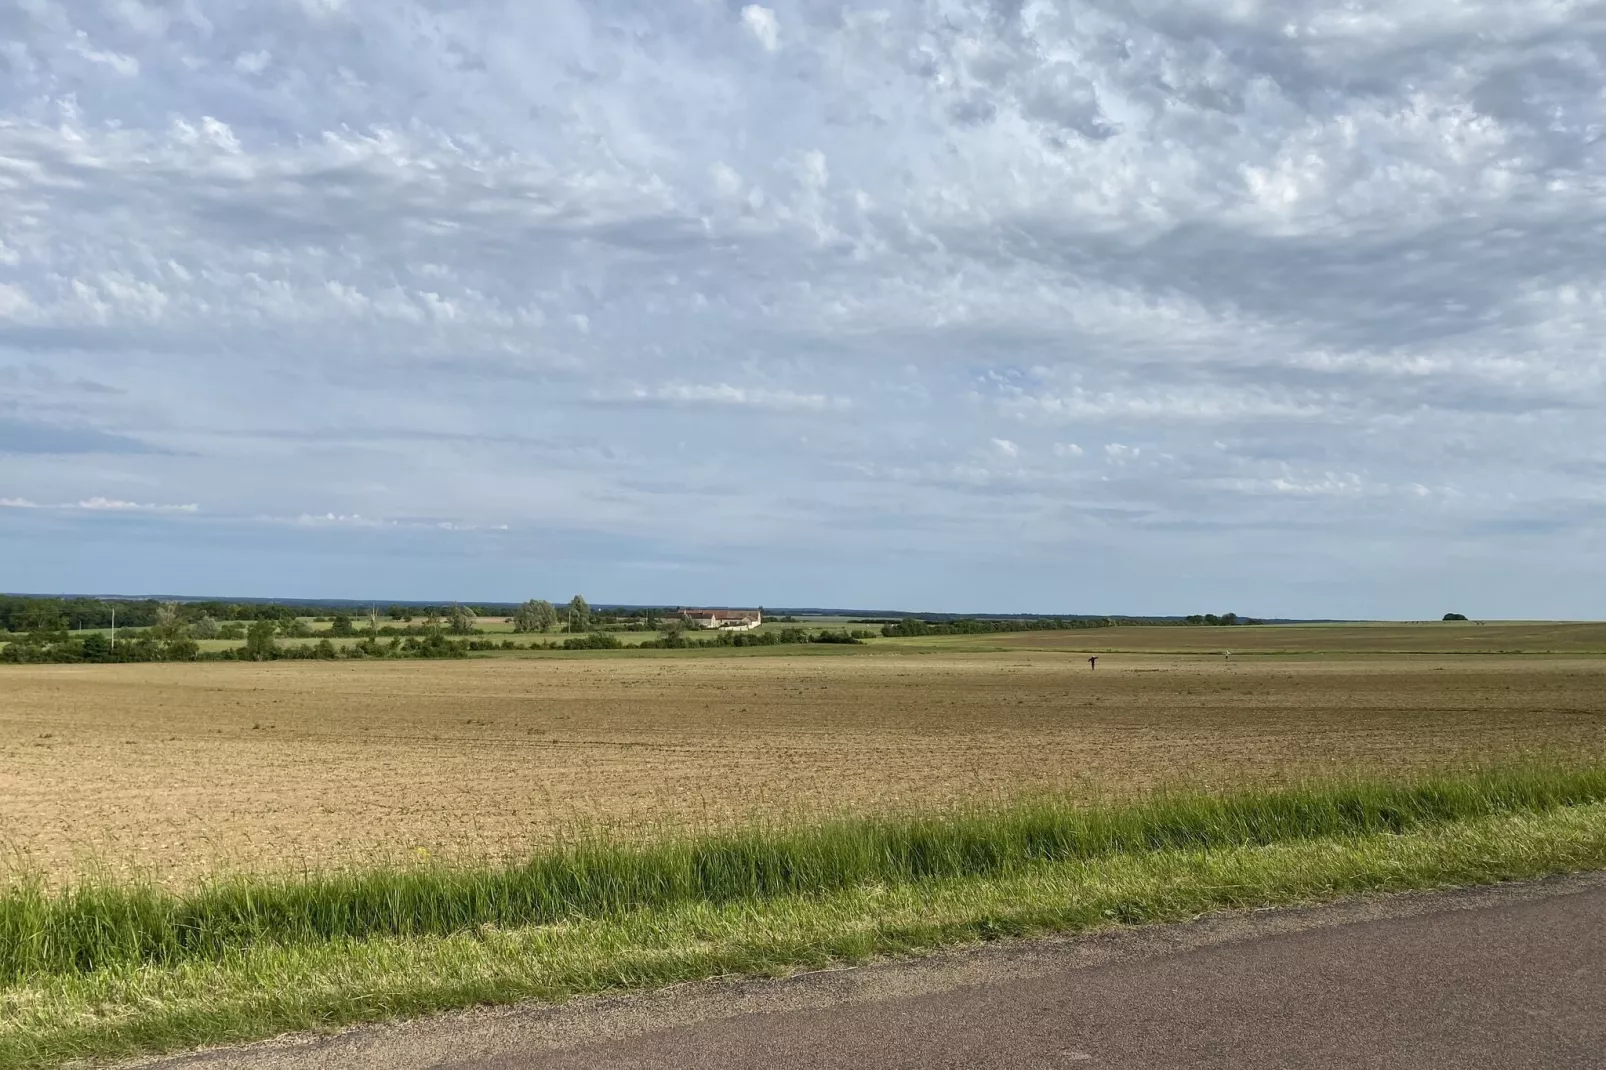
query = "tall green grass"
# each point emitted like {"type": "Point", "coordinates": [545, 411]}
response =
{"type": "Point", "coordinates": [98, 925]}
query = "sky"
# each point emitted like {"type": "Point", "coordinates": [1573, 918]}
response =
{"type": "Point", "coordinates": [1284, 308]}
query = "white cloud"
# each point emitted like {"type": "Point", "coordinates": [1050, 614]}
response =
{"type": "Point", "coordinates": [357, 520]}
{"type": "Point", "coordinates": [816, 175]}
{"type": "Point", "coordinates": [126, 66]}
{"type": "Point", "coordinates": [762, 24]}
{"type": "Point", "coordinates": [14, 303]}
{"type": "Point", "coordinates": [726, 180]}
{"type": "Point", "coordinates": [118, 505]}
{"type": "Point", "coordinates": [253, 62]}
{"type": "Point", "coordinates": [1119, 453]}
{"type": "Point", "coordinates": [99, 504]}
{"type": "Point", "coordinates": [450, 525]}
{"type": "Point", "coordinates": [354, 519]}
{"type": "Point", "coordinates": [323, 9]}
{"type": "Point", "coordinates": [726, 394]}
{"type": "Point", "coordinates": [1006, 447]}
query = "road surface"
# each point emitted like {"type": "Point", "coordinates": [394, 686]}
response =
{"type": "Point", "coordinates": [1513, 976]}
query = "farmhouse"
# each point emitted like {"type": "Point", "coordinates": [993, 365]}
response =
{"type": "Point", "coordinates": [740, 620]}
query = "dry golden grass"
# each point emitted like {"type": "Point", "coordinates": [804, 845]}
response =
{"type": "Point", "coordinates": [182, 768]}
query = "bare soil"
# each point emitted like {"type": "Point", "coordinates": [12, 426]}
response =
{"type": "Point", "coordinates": [182, 769]}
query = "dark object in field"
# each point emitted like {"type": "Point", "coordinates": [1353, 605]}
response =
{"type": "Point", "coordinates": [1093, 662]}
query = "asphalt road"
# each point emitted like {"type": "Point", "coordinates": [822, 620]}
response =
{"type": "Point", "coordinates": [1513, 976]}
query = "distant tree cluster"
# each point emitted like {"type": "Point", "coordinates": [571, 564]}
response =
{"type": "Point", "coordinates": [1455, 616]}
{"type": "Point", "coordinates": [461, 620]}
{"type": "Point", "coordinates": [910, 627]}
{"type": "Point", "coordinates": [1227, 619]}
{"type": "Point", "coordinates": [23, 614]}
{"type": "Point", "coordinates": [168, 637]}
{"type": "Point", "coordinates": [536, 615]}
{"type": "Point", "coordinates": [676, 638]}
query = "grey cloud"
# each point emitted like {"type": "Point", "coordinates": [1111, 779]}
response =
{"type": "Point", "coordinates": [23, 437]}
{"type": "Point", "coordinates": [1062, 96]}
{"type": "Point", "coordinates": [972, 112]}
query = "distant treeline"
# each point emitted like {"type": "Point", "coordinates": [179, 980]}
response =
{"type": "Point", "coordinates": [26, 613]}
{"type": "Point", "coordinates": [64, 648]}
{"type": "Point", "coordinates": [20, 613]}
{"type": "Point", "coordinates": [74, 629]}
{"type": "Point", "coordinates": [681, 640]}
{"type": "Point", "coordinates": [145, 646]}
{"type": "Point", "coordinates": [910, 627]}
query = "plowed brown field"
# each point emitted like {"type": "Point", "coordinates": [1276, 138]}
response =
{"type": "Point", "coordinates": [183, 768]}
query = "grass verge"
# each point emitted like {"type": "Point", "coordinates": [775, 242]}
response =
{"type": "Point", "coordinates": [907, 884]}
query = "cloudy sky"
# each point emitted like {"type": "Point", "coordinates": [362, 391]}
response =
{"type": "Point", "coordinates": [1288, 308]}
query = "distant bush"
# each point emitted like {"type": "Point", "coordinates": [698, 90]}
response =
{"type": "Point", "coordinates": [594, 641]}
{"type": "Point", "coordinates": [59, 647]}
{"type": "Point", "coordinates": [1455, 616]}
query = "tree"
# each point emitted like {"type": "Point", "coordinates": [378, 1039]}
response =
{"type": "Point", "coordinates": [183, 648]}
{"type": "Point", "coordinates": [97, 647]}
{"type": "Point", "coordinates": [260, 644]}
{"type": "Point", "coordinates": [536, 615]}
{"type": "Point", "coordinates": [579, 614]}
{"type": "Point", "coordinates": [341, 625]}
{"type": "Point", "coordinates": [462, 620]}
{"type": "Point", "coordinates": [169, 625]}
{"type": "Point", "coordinates": [1455, 616]}
{"type": "Point", "coordinates": [207, 628]}
{"type": "Point", "coordinates": [41, 615]}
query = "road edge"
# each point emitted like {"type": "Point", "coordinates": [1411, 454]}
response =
{"type": "Point", "coordinates": [488, 1032]}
